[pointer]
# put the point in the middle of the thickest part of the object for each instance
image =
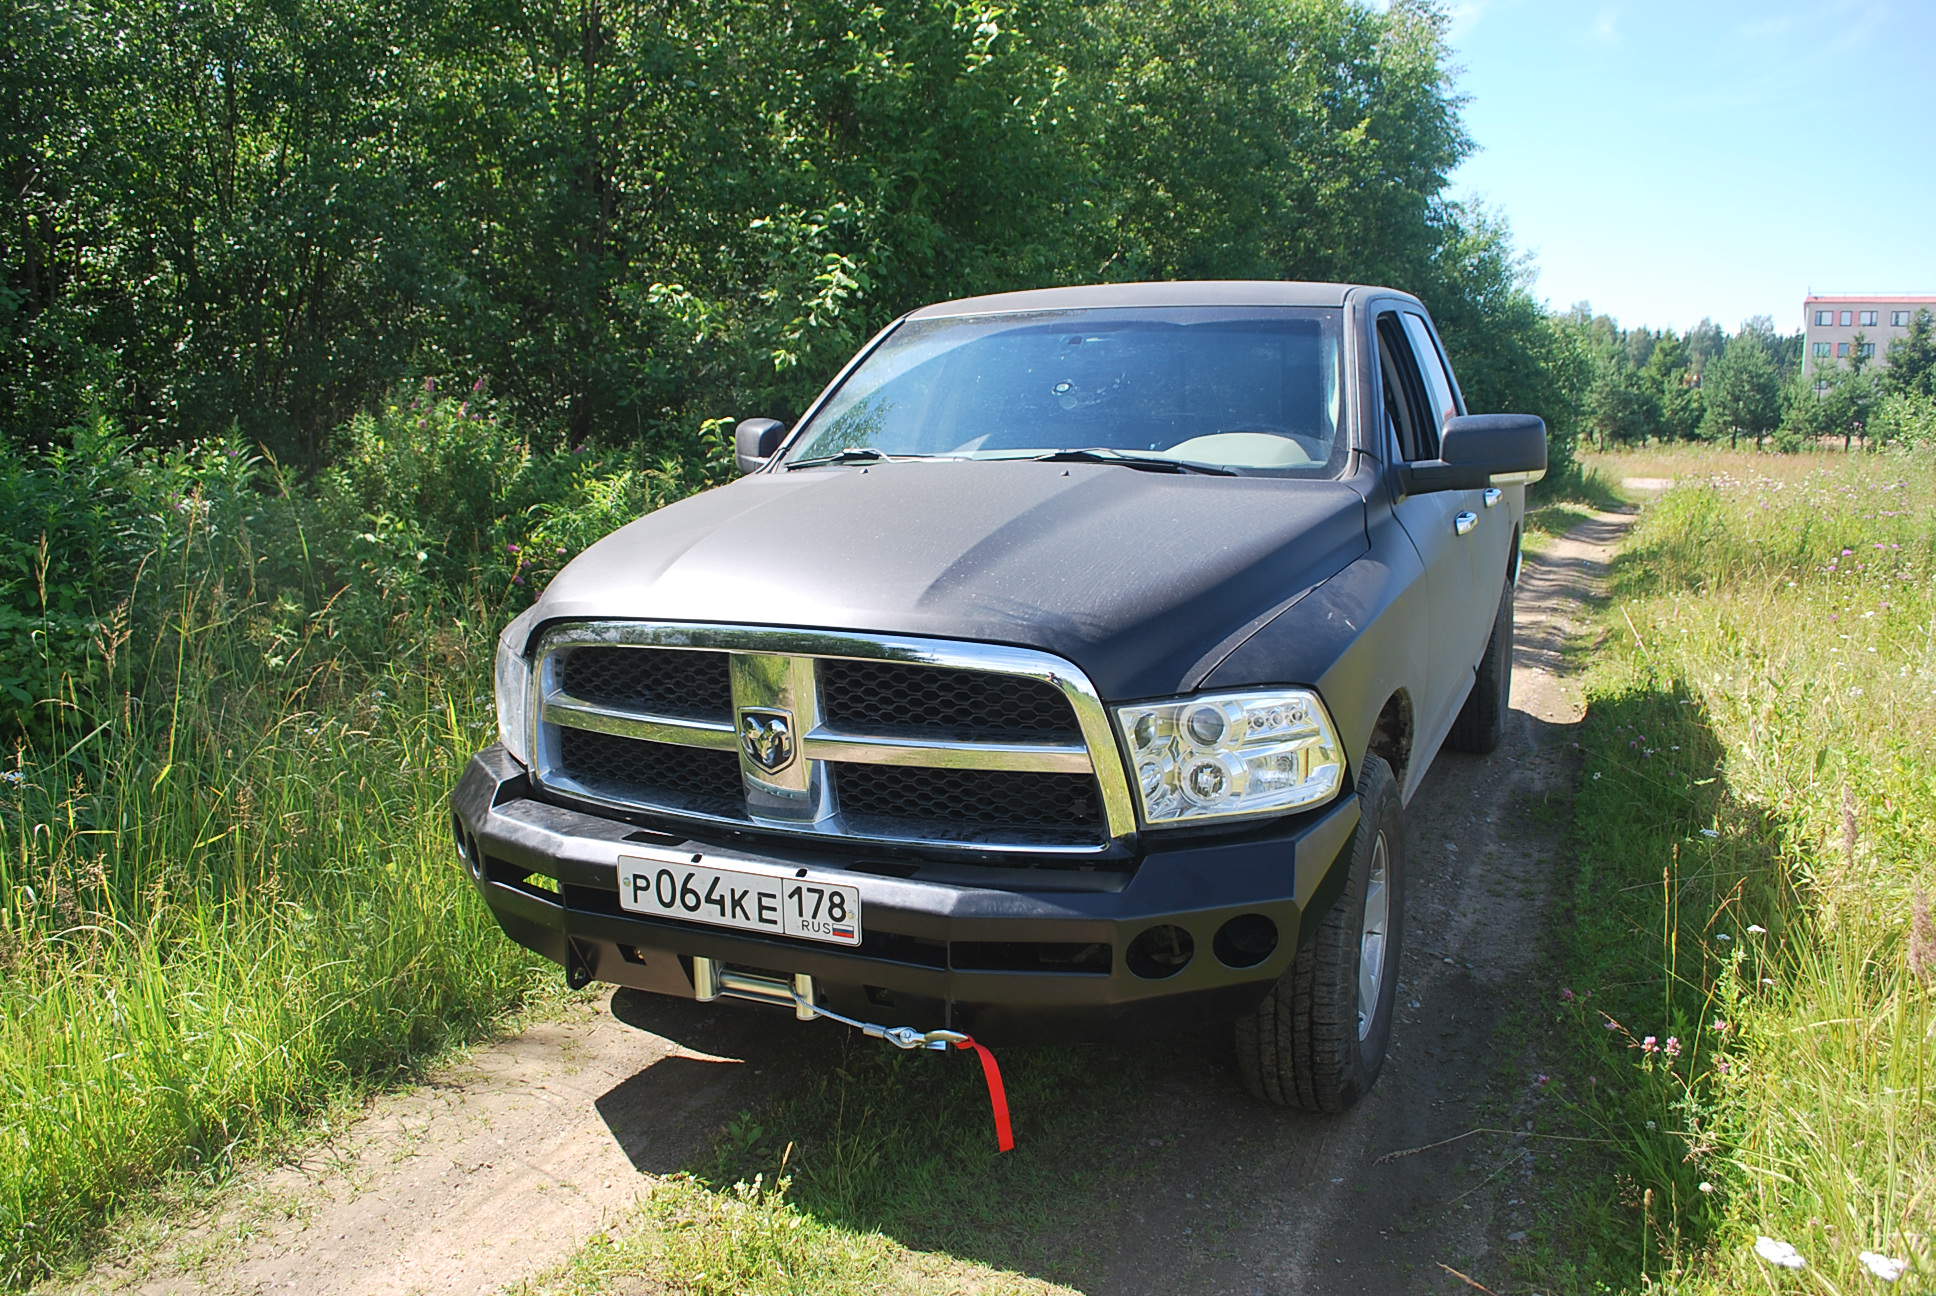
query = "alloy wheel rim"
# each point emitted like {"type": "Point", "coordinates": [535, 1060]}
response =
{"type": "Point", "coordinates": [1371, 937]}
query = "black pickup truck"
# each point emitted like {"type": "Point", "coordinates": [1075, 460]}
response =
{"type": "Point", "coordinates": [1064, 670]}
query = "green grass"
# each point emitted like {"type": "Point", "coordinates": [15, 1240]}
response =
{"type": "Point", "coordinates": [1753, 834]}
{"type": "Point", "coordinates": [225, 903]}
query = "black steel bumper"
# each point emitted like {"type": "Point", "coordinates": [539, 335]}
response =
{"type": "Point", "coordinates": [1002, 953]}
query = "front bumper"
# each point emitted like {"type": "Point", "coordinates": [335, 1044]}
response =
{"type": "Point", "coordinates": [1003, 953]}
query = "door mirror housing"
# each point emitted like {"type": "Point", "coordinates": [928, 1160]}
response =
{"type": "Point", "coordinates": [1478, 450]}
{"type": "Point", "coordinates": [755, 440]}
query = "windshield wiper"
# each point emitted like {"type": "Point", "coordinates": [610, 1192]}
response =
{"type": "Point", "coordinates": [1152, 463]}
{"type": "Point", "coordinates": [853, 454]}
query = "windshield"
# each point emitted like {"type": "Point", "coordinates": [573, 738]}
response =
{"type": "Point", "coordinates": [1255, 388]}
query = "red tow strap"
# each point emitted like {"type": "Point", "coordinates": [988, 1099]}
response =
{"type": "Point", "coordinates": [991, 1071]}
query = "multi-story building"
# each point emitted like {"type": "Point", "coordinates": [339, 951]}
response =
{"type": "Point", "coordinates": [1831, 325]}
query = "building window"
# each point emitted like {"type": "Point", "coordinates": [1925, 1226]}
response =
{"type": "Point", "coordinates": [1899, 318]}
{"type": "Point", "coordinates": [1841, 348]}
{"type": "Point", "coordinates": [1848, 318]}
{"type": "Point", "coordinates": [1868, 319]}
{"type": "Point", "coordinates": [1824, 318]}
{"type": "Point", "coordinates": [1868, 350]}
{"type": "Point", "coordinates": [1821, 350]}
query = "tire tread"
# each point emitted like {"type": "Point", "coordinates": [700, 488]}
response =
{"type": "Point", "coordinates": [1299, 1047]}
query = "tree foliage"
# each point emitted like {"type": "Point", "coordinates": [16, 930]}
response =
{"type": "Point", "coordinates": [635, 217]}
{"type": "Point", "coordinates": [1742, 389]}
{"type": "Point", "coordinates": [1912, 359]}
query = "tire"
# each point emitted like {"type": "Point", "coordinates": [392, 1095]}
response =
{"type": "Point", "coordinates": [1482, 720]}
{"type": "Point", "coordinates": [1305, 1045]}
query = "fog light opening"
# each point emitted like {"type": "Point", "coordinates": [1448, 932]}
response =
{"type": "Point", "coordinates": [1245, 941]}
{"type": "Point", "coordinates": [1160, 952]}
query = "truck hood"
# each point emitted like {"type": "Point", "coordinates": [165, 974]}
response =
{"type": "Point", "coordinates": [1145, 580]}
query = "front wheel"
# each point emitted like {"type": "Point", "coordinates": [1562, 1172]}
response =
{"type": "Point", "coordinates": [1318, 1038]}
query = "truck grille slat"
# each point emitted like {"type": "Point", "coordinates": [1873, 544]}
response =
{"type": "Point", "coordinates": [681, 683]}
{"type": "Point", "coordinates": [991, 799]}
{"type": "Point", "coordinates": [626, 769]}
{"type": "Point", "coordinates": [896, 698]}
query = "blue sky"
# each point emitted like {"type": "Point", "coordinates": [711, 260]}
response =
{"type": "Point", "coordinates": [1669, 161]}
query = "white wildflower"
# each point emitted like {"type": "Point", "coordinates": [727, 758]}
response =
{"type": "Point", "coordinates": [1722, 936]}
{"type": "Point", "coordinates": [1779, 1254]}
{"type": "Point", "coordinates": [1710, 833]}
{"type": "Point", "coordinates": [1706, 1186]}
{"type": "Point", "coordinates": [1756, 929]}
{"type": "Point", "coordinates": [1884, 1267]}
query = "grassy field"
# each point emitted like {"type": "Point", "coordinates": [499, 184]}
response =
{"type": "Point", "coordinates": [1747, 980]}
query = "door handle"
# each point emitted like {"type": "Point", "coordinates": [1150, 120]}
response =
{"type": "Point", "coordinates": [1464, 523]}
{"type": "Point", "coordinates": [1492, 495]}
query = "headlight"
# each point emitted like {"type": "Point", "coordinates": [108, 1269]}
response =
{"type": "Point", "coordinates": [514, 687]}
{"type": "Point", "coordinates": [1221, 755]}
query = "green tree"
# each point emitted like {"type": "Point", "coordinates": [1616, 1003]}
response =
{"type": "Point", "coordinates": [1741, 390]}
{"type": "Point", "coordinates": [1705, 342]}
{"type": "Point", "coordinates": [1669, 373]}
{"type": "Point", "coordinates": [1912, 358]}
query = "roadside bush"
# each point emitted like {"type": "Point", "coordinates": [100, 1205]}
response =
{"type": "Point", "coordinates": [1906, 419]}
{"type": "Point", "coordinates": [437, 496]}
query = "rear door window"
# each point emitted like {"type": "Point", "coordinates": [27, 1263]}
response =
{"type": "Point", "coordinates": [1408, 404]}
{"type": "Point", "coordinates": [1431, 364]}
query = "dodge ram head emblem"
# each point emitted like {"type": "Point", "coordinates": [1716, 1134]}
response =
{"type": "Point", "coordinates": [767, 738]}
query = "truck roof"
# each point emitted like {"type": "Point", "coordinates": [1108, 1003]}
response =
{"type": "Point", "coordinates": [1209, 292]}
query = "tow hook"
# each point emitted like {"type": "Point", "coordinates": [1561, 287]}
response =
{"type": "Point", "coordinates": [712, 980]}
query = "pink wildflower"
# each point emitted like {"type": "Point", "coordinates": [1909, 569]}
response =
{"type": "Point", "coordinates": [1672, 1048]}
{"type": "Point", "coordinates": [1649, 1045]}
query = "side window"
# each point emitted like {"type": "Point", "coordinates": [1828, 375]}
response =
{"type": "Point", "coordinates": [1430, 363]}
{"type": "Point", "coordinates": [1407, 405]}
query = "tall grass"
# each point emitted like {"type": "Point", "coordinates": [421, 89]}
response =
{"type": "Point", "coordinates": [1751, 972]}
{"type": "Point", "coordinates": [228, 898]}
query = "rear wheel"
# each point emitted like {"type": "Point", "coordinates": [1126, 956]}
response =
{"type": "Point", "coordinates": [1482, 721]}
{"type": "Point", "coordinates": [1319, 1037]}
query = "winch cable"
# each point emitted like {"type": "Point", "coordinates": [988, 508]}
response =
{"type": "Point", "coordinates": [906, 1037]}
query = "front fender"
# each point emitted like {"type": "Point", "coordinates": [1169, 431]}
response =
{"type": "Point", "coordinates": [1359, 638]}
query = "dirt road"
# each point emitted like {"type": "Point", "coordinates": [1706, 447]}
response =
{"type": "Point", "coordinates": [505, 1165]}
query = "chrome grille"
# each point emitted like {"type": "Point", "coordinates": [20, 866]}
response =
{"type": "Point", "coordinates": [869, 738]}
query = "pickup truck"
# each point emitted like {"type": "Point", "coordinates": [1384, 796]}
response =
{"type": "Point", "coordinates": [1064, 671]}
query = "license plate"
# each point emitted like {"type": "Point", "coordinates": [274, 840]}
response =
{"type": "Point", "coordinates": [778, 904]}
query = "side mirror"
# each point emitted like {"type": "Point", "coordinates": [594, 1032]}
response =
{"type": "Point", "coordinates": [1482, 450]}
{"type": "Point", "coordinates": [755, 440]}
